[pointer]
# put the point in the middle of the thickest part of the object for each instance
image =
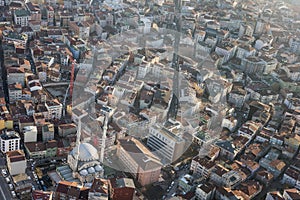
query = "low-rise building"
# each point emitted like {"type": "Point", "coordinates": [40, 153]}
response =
{"type": "Point", "coordinates": [202, 166]}
{"type": "Point", "coordinates": [205, 191]}
{"type": "Point", "coordinates": [70, 190]}
{"type": "Point", "coordinates": [121, 188]}
{"type": "Point", "coordinates": [99, 189]}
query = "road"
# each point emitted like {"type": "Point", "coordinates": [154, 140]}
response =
{"type": "Point", "coordinates": [174, 188]}
{"type": "Point", "coordinates": [4, 190]}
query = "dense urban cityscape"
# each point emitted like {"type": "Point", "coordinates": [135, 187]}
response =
{"type": "Point", "coordinates": [150, 99]}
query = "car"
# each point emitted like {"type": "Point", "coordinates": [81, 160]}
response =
{"type": "Point", "coordinates": [33, 188]}
{"type": "Point", "coordinates": [11, 187]}
{"type": "Point", "coordinates": [13, 194]}
{"type": "Point", "coordinates": [4, 172]}
{"type": "Point", "coordinates": [42, 182]}
{"type": "Point", "coordinates": [29, 178]}
{"type": "Point", "coordinates": [7, 180]}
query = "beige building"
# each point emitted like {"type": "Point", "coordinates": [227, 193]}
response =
{"type": "Point", "coordinates": [138, 160]}
{"type": "Point", "coordinates": [16, 162]}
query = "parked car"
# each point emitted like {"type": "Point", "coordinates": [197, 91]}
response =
{"type": "Point", "coordinates": [4, 172]}
{"type": "Point", "coordinates": [11, 187]}
{"type": "Point", "coordinates": [7, 180]}
{"type": "Point", "coordinates": [13, 194]}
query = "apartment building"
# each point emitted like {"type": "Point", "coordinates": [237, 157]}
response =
{"type": "Point", "coordinates": [9, 141]}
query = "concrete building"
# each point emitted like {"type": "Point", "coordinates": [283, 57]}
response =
{"type": "Point", "coordinates": [9, 141]}
{"type": "Point", "coordinates": [205, 191]}
{"type": "Point", "coordinates": [48, 132]}
{"type": "Point", "coordinates": [54, 108]}
{"type": "Point", "coordinates": [16, 162]}
{"type": "Point", "coordinates": [168, 144]}
{"type": "Point", "coordinates": [30, 134]}
{"type": "Point", "coordinates": [121, 188]}
{"type": "Point", "coordinates": [138, 160]}
{"type": "Point", "coordinates": [21, 17]}
{"type": "Point", "coordinates": [15, 92]}
{"type": "Point", "coordinates": [202, 166]}
{"type": "Point", "coordinates": [99, 189]}
{"type": "Point", "coordinates": [70, 190]}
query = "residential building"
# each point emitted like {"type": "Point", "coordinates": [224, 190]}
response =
{"type": "Point", "coordinates": [274, 196]}
{"type": "Point", "coordinates": [202, 166]}
{"type": "Point", "coordinates": [9, 141]}
{"type": "Point", "coordinates": [291, 194]}
{"type": "Point", "coordinates": [16, 162]}
{"type": "Point", "coordinates": [70, 190]}
{"type": "Point", "coordinates": [42, 195]}
{"type": "Point", "coordinates": [15, 92]}
{"type": "Point", "coordinates": [30, 134]}
{"type": "Point", "coordinates": [248, 189]}
{"type": "Point", "coordinates": [121, 188]}
{"type": "Point", "coordinates": [291, 176]}
{"type": "Point", "coordinates": [185, 183]}
{"type": "Point", "coordinates": [99, 189]}
{"type": "Point", "coordinates": [21, 17]}
{"type": "Point", "coordinates": [66, 129]}
{"type": "Point", "coordinates": [48, 132]}
{"type": "Point", "coordinates": [54, 108]}
{"type": "Point", "coordinates": [205, 191]}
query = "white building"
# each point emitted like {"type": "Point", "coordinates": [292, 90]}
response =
{"type": "Point", "coordinates": [16, 162]}
{"type": "Point", "coordinates": [30, 134]}
{"type": "Point", "coordinates": [54, 109]}
{"type": "Point", "coordinates": [21, 17]}
{"type": "Point", "coordinates": [9, 141]}
{"type": "Point", "coordinates": [205, 191]}
{"type": "Point", "coordinates": [167, 143]}
{"type": "Point", "coordinates": [202, 166]}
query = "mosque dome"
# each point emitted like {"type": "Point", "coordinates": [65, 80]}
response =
{"type": "Point", "coordinates": [98, 168]}
{"type": "Point", "coordinates": [86, 152]}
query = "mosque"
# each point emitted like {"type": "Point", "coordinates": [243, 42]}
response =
{"type": "Point", "coordinates": [83, 161]}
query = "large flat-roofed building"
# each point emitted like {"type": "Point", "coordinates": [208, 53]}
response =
{"type": "Point", "coordinates": [167, 143]}
{"type": "Point", "coordinates": [138, 160]}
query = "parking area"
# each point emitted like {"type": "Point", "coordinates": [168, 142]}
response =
{"type": "Point", "coordinates": [7, 186]}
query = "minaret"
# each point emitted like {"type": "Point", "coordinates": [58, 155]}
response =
{"type": "Point", "coordinates": [103, 139]}
{"type": "Point", "coordinates": [78, 135]}
{"type": "Point", "coordinates": [172, 112]}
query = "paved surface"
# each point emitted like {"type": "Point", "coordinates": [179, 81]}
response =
{"type": "Point", "coordinates": [4, 190]}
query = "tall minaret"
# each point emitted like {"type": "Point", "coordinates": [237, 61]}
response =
{"type": "Point", "coordinates": [103, 139]}
{"type": "Point", "coordinates": [78, 135]}
{"type": "Point", "coordinates": [76, 149]}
